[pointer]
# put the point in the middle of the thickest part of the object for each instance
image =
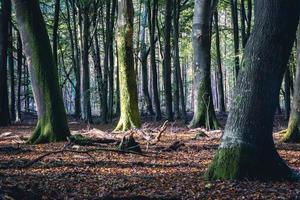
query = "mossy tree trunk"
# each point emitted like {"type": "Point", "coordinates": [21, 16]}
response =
{"type": "Point", "coordinates": [4, 26]}
{"type": "Point", "coordinates": [204, 114]}
{"type": "Point", "coordinates": [128, 88]}
{"type": "Point", "coordinates": [293, 130]}
{"type": "Point", "coordinates": [247, 149]}
{"type": "Point", "coordinates": [52, 121]}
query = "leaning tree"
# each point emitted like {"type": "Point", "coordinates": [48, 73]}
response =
{"type": "Point", "coordinates": [247, 149]}
{"type": "Point", "coordinates": [52, 121]}
{"type": "Point", "coordinates": [130, 117]}
{"type": "Point", "coordinates": [204, 114]}
{"type": "Point", "coordinates": [293, 131]}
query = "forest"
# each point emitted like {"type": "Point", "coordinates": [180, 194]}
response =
{"type": "Point", "coordinates": [149, 99]}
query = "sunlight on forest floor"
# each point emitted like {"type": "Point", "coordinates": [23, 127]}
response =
{"type": "Point", "coordinates": [111, 175]}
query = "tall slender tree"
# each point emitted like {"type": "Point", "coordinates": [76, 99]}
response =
{"type": "Point", "coordinates": [52, 121]}
{"type": "Point", "coordinates": [247, 149]}
{"type": "Point", "coordinates": [128, 88]}
{"type": "Point", "coordinates": [167, 60]}
{"type": "Point", "coordinates": [153, 7]}
{"type": "Point", "coordinates": [204, 113]}
{"type": "Point", "coordinates": [4, 26]}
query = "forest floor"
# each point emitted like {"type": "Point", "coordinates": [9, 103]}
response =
{"type": "Point", "coordinates": [159, 173]}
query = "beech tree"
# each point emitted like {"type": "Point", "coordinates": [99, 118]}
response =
{"type": "Point", "coordinates": [293, 130]}
{"type": "Point", "coordinates": [204, 114]}
{"type": "Point", "coordinates": [52, 123]}
{"type": "Point", "coordinates": [247, 149]}
{"type": "Point", "coordinates": [128, 88]}
{"type": "Point", "coordinates": [4, 27]}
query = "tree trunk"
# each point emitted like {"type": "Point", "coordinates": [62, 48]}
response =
{"type": "Point", "coordinates": [4, 25]}
{"type": "Point", "coordinates": [247, 149]}
{"type": "Point", "coordinates": [111, 62]}
{"type": "Point", "coordinates": [235, 24]}
{"type": "Point", "coordinates": [167, 60]}
{"type": "Point", "coordinates": [204, 114]}
{"type": "Point", "coordinates": [179, 82]}
{"type": "Point", "coordinates": [144, 62]}
{"type": "Point", "coordinates": [221, 100]}
{"type": "Point", "coordinates": [128, 88]}
{"type": "Point", "coordinates": [293, 130]}
{"type": "Point", "coordinates": [152, 26]}
{"type": "Point", "coordinates": [287, 93]}
{"type": "Point", "coordinates": [19, 69]}
{"type": "Point", "coordinates": [86, 114]}
{"type": "Point", "coordinates": [11, 71]}
{"type": "Point", "coordinates": [52, 121]}
{"type": "Point", "coordinates": [55, 30]}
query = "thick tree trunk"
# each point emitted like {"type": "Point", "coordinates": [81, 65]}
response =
{"type": "Point", "coordinates": [293, 130]}
{"type": "Point", "coordinates": [128, 88]}
{"type": "Point", "coordinates": [204, 114]}
{"type": "Point", "coordinates": [247, 149]}
{"type": "Point", "coordinates": [167, 60]}
{"type": "Point", "coordinates": [221, 100]}
{"type": "Point", "coordinates": [52, 121]}
{"type": "Point", "coordinates": [152, 26]}
{"type": "Point", "coordinates": [4, 26]}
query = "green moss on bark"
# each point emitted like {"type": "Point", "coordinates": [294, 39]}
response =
{"type": "Point", "coordinates": [130, 117]}
{"type": "Point", "coordinates": [292, 134]}
{"type": "Point", "coordinates": [240, 163]}
{"type": "Point", "coordinates": [52, 121]}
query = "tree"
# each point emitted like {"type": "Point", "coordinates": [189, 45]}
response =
{"type": "Point", "coordinates": [86, 112]}
{"type": "Point", "coordinates": [204, 114]}
{"type": "Point", "coordinates": [221, 100]}
{"type": "Point", "coordinates": [247, 149]}
{"type": "Point", "coordinates": [128, 88]}
{"type": "Point", "coordinates": [4, 27]}
{"type": "Point", "coordinates": [293, 130]}
{"type": "Point", "coordinates": [144, 62]}
{"type": "Point", "coordinates": [52, 123]}
{"type": "Point", "coordinates": [167, 60]}
{"type": "Point", "coordinates": [152, 6]}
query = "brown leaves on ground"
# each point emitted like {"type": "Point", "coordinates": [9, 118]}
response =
{"type": "Point", "coordinates": [175, 174]}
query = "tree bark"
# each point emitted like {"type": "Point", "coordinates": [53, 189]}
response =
{"type": "Point", "coordinates": [247, 149]}
{"type": "Point", "coordinates": [4, 26]}
{"type": "Point", "coordinates": [144, 61]}
{"type": "Point", "coordinates": [152, 25]}
{"type": "Point", "coordinates": [204, 114]}
{"type": "Point", "coordinates": [128, 88]}
{"type": "Point", "coordinates": [86, 113]}
{"type": "Point", "coordinates": [55, 30]}
{"type": "Point", "coordinates": [293, 130]}
{"type": "Point", "coordinates": [221, 98]}
{"type": "Point", "coordinates": [167, 60]}
{"type": "Point", "coordinates": [52, 121]}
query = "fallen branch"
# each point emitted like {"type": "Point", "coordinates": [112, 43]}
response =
{"type": "Point", "coordinates": [162, 130]}
{"type": "Point", "coordinates": [30, 163]}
